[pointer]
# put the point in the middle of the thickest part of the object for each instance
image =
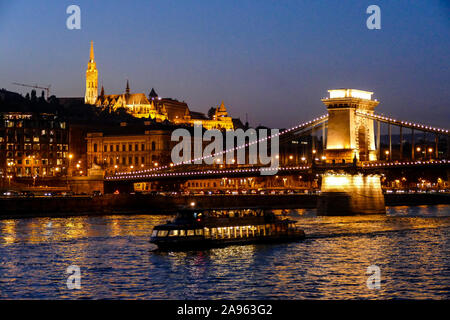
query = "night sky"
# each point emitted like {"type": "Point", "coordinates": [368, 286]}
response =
{"type": "Point", "coordinates": [274, 60]}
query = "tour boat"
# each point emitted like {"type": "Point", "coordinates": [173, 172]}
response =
{"type": "Point", "coordinates": [192, 229]}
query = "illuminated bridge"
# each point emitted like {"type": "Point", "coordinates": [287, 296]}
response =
{"type": "Point", "coordinates": [205, 173]}
{"type": "Point", "coordinates": [345, 142]}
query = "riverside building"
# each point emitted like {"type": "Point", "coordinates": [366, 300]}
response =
{"type": "Point", "coordinates": [33, 145]}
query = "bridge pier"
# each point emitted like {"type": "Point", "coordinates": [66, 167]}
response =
{"type": "Point", "coordinates": [350, 194]}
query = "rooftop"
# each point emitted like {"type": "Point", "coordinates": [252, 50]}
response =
{"type": "Point", "coordinates": [350, 93]}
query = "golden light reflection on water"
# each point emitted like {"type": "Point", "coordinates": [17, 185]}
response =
{"type": "Point", "coordinates": [8, 230]}
{"type": "Point", "coordinates": [113, 251]}
{"type": "Point", "coordinates": [35, 230]}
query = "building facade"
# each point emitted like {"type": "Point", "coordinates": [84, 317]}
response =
{"type": "Point", "coordinates": [128, 147]}
{"type": "Point", "coordinates": [33, 145]}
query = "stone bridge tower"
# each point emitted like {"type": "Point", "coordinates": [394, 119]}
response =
{"type": "Point", "coordinates": [350, 135]}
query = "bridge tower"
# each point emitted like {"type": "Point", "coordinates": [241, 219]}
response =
{"type": "Point", "coordinates": [349, 135]}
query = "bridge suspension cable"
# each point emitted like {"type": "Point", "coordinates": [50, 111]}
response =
{"type": "Point", "coordinates": [401, 123]}
{"type": "Point", "coordinates": [301, 126]}
{"type": "Point", "coordinates": [205, 173]}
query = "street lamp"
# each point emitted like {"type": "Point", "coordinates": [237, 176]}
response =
{"type": "Point", "coordinates": [387, 155]}
{"type": "Point", "coordinates": [419, 149]}
{"type": "Point", "coordinates": [69, 170]}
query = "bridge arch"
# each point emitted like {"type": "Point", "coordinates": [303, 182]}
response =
{"type": "Point", "coordinates": [362, 143]}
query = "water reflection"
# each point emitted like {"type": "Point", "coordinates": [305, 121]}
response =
{"type": "Point", "coordinates": [409, 244]}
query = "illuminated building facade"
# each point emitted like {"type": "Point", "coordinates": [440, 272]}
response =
{"type": "Point", "coordinates": [152, 106]}
{"type": "Point", "coordinates": [350, 136]}
{"type": "Point", "coordinates": [91, 79]}
{"type": "Point", "coordinates": [128, 147]}
{"type": "Point", "coordinates": [33, 145]}
{"type": "Point", "coordinates": [220, 119]}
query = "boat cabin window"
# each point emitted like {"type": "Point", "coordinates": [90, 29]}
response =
{"type": "Point", "coordinates": [173, 233]}
{"type": "Point", "coordinates": [190, 232]}
{"type": "Point", "coordinates": [154, 233]}
{"type": "Point", "coordinates": [198, 232]}
{"type": "Point", "coordinates": [182, 233]}
{"type": "Point", "coordinates": [162, 233]}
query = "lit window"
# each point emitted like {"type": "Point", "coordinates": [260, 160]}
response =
{"type": "Point", "coordinates": [162, 233]}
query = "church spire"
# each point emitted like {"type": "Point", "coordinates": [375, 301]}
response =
{"type": "Point", "coordinates": [91, 94]}
{"type": "Point", "coordinates": [153, 94]}
{"type": "Point", "coordinates": [91, 56]}
{"type": "Point", "coordinates": [127, 90]}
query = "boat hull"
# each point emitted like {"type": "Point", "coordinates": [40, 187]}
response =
{"type": "Point", "coordinates": [203, 243]}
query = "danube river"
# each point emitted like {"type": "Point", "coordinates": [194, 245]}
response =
{"type": "Point", "coordinates": [410, 245]}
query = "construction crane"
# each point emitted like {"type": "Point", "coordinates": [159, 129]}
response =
{"type": "Point", "coordinates": [47, 89]}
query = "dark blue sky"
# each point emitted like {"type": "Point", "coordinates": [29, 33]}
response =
{"type": "Point", "coordinates": [274, 60]}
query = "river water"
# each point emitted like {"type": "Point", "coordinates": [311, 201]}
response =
{"type": "Point", "coordinates": [410, 245]}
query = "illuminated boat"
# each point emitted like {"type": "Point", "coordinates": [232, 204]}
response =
{"type": "Point", "coordinates": [192, 229]}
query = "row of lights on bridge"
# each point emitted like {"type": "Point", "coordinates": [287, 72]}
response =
{"type": "Point", "coordinates": [321, 118]}
{"type": "Point", "coordinates": [191, 173]}
{"type": "Point", "coordinates": [416, 125]}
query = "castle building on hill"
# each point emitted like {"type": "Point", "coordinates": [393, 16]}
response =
{"type": "Point", "coordinates": [152, 106]}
